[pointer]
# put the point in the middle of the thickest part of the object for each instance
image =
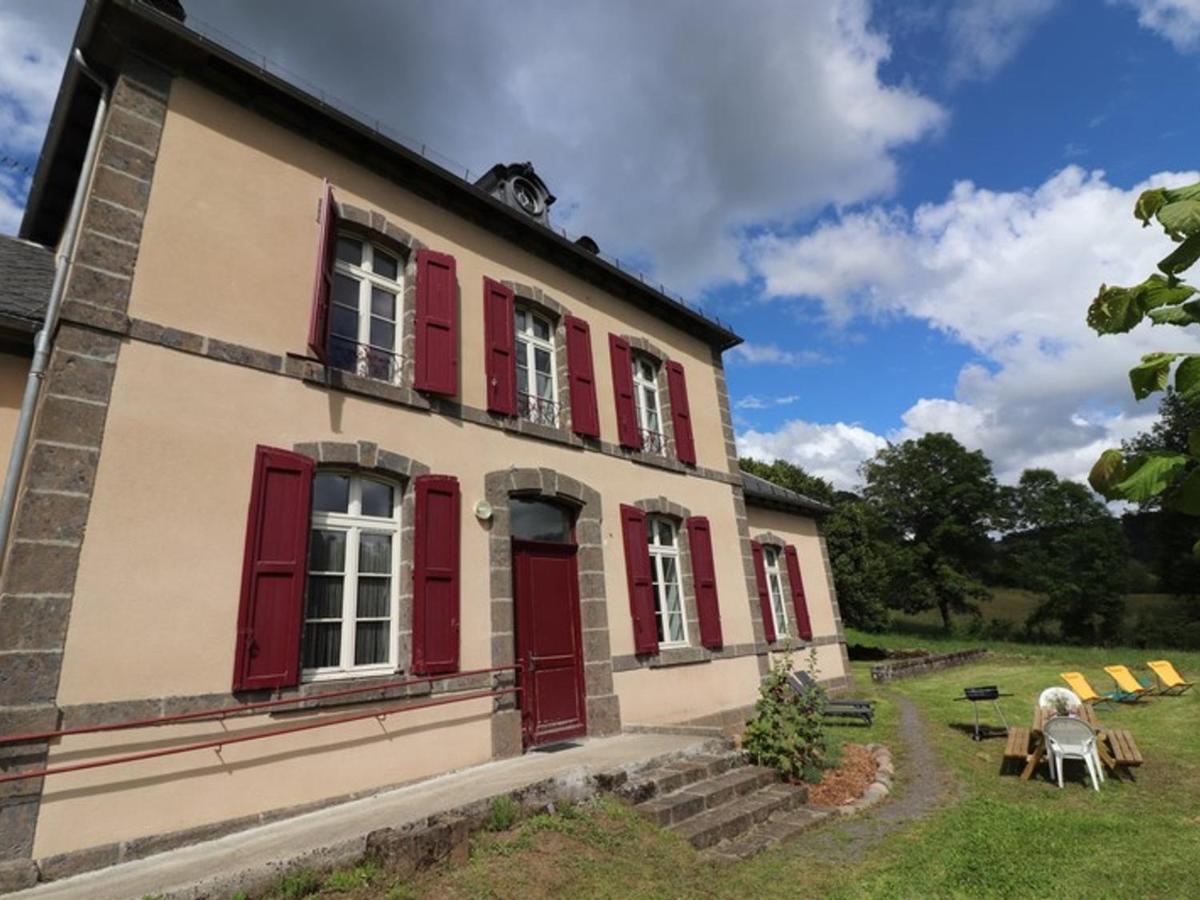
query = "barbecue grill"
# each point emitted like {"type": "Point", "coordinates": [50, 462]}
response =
{"type": "Point", "coordinates": [977, 695]}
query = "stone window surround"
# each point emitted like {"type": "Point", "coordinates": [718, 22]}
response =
{"type": "Point", "coordinates": [769, 539]}
{"type": "Point", "coordinates": [377, 228]}
{"type": "Point", "coordinates": [543, 304]}
{"type": "Point", "coordinates": [366, 458]}
{"type": "Point", "coordinates": [603, 706]}
{"type": "Point", "coordinates": [639, 345]}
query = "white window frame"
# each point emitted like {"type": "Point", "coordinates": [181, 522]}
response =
{"type": "Point", "coordinates": [366, 277]}
{"type": "Point", "coordinates": [775, 589]}
{"type": "Point", "coordinates": [354, 524]}
{"type": "Point", "coordinates": [660, 552]}
{"type": "Point", "coordinates": [641, 384]}
{"type": "Point", "coordinates": [527, 343]}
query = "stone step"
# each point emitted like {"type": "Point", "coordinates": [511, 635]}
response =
{"type": "Point", "coordinates": [728, 821]}
{"type": "Point", "coordinates": [664, 778]}
{"type": "Point", "coordinates": [778, 828]}
{"type": "Point", "coordinates": [682, 804]}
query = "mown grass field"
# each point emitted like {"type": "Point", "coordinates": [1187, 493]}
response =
{"type": "Point", "coordinates": [995, 837]}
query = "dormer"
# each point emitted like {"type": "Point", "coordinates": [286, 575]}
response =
{"type": "Point", "coordinates": [519, 186]}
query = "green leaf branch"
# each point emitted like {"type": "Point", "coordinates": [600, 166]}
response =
{"type": "Point", "coordinates": [1164, 299]}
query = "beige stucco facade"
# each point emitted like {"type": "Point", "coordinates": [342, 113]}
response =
{"type": "Point", "coordinates": [804, 534]}
{"type": "Point", "coordinates": [13, 372]}
{"type": "Point", "coordinates": [227, 253]}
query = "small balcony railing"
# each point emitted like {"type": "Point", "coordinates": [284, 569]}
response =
{"type": "Point", "coordinates": [365, 360]}
{"type": "Point", "coordinates": [538, 410]}
{"type": "Point", "coordinates": [653, 441]}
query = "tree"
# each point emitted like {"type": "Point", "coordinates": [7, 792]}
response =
{"type": "Point", "coordinates": [1165, 537]}
{"type": "Point", "coordinates": [938, 501]}
{"type": "Point", "coordinates": [1067, 546]}
{"type": "Point", "coordinates": [1172, 474]}
{"type": "Point", "coordinates": [866, 566]}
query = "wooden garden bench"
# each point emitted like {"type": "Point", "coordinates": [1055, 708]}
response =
{"type": "Point", "coordinates": [1018, 744]}
{"type": "Point", "coordinates": [1125, 751]}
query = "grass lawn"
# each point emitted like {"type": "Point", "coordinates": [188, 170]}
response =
{"type": "Point", "coordinates": [996, 837]}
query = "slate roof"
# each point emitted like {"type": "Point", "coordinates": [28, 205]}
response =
{"type": "Point", "coordinates": [26, 273]}
{"type": "Point", "coordinates": [760, 492]}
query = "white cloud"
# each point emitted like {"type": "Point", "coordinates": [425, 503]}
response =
{"type": "Point", "coordinates": [12, 192]}
{"type": "Point", "coordinates": [1010, 275]}
{"type": "Point", "coordinates": [986, 34]}
{"type": "Point", "coordinates": [770, 354]}
{"type": "Point", "coordinates": [831, 451]}
{"type": "Point", "coordinates": [33, 45]}
{"type": "Point", "coordinates": [665, 128]}
{"type": "Point", "coordinates": [1176, 20]}
{"type": "Point", "coordinates": [753, 401]}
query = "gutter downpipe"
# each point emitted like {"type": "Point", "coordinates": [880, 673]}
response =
{"type": "Point", "coordinates": [42, 343]}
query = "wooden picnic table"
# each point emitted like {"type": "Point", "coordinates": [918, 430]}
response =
{"type": "Point", "coordinates": [1037, 751]}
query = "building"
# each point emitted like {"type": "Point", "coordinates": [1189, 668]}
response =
{"type": "Point", "coordinates": [325, 424]}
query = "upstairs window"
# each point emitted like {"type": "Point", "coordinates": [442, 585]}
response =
{"type": "Point", "coordinates": [775, 588]}
{"type": "Point", "coordinates": [350, 622]}
{"type": "Point", "coordinates": [663, 538]}
{"type": "Point", "coordinates": [537, 388]}
{"type": "Point", "coordinates": [645, 394]}
{"type": "Point", "coordinates": [364, 327]}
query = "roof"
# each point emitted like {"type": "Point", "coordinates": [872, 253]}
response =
{"type": "Point", "coordinates": [26, 273]}
{"type": "Point", "coordinates": [109, 29]}
{"type": "Point", "coordinates": [760, 492]}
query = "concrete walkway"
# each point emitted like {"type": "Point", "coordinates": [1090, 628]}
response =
{"type": "Point", "coordinates": [337, 834]}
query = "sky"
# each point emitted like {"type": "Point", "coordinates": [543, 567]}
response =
{"type": "Point", "coordinates": [904, 207]}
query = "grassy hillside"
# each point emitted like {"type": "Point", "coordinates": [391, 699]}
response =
{"type": "Point", "coordinates": [1149, 618]}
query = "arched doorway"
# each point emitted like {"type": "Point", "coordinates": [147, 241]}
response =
{"type": "Point", "coordinates": [549, 637]}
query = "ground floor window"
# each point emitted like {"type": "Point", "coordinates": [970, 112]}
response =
{"type": "Point", "coordinates": [350, 622]}
{"type": "Point", "coordinates": [775, 587]}
{"type": "Point", "coordinates": [664, 567]}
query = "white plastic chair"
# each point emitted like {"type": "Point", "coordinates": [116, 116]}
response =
{"type": "Point", "coordinates": [1070, 738]}
{"type": "Point", "coordinates": [1049, 695]}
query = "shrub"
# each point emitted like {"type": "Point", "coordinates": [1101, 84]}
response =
{"type": "Point", "coordinates": [503, 814]}
{"type": "Point", "coordinates": [787, 733]}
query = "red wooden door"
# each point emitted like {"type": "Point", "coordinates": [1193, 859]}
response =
{"type": "Point", "coordinates": [549, 641]}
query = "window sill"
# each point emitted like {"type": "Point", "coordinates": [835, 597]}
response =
{"type": "Point", "coordinates": [679, 656]}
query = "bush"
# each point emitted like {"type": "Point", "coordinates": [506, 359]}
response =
{"type": "Point", "coordinates": [787, 732]}
{"type": "Point", "coordinates": [503, 814]}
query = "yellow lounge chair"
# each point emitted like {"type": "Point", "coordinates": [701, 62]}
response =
{"type": "Point", "coordinates": [1080, 685]}
{"type": "Point", "coordinates": [1170, 680]}
{"type": "Point", "coordinates": [1127, 684]}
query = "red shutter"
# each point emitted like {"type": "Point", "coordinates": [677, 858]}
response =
{"type": "Point", "coordinates": [681, 414]}
{"type": "Point", "coordinates": [585, 416]}
{"type": "Point", "coordinates": [500, 342]}
{"type": "Point", "coordinates": [437, 324]}
{"type": "Point", "coordinates": [704, 576]}
{"type": "Point", "coordinates": [764, 595]}
{"type": "Point", "coordinates": [435, 575]}
{"type": "Point", "coordinates": [318, 325]}
{"type": "Point", "coordinates": [803, 624]}
{"type": "Point", "coordinates": [273, 573]}
{"type": "Point", "coordinates": [641, 586]}
{"type": "Point", "coordinates": [622, 373]}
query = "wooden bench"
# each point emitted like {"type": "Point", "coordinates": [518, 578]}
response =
{"type": "Point", "coordinates": [1125, 752]}
{"type": "Point", "coordinates": [1017, 747]}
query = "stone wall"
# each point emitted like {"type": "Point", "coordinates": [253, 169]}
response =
{"type": "Point", "coordinates": [923, 665]}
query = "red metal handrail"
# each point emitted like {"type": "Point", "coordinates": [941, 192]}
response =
{"type": "Point", "coordinates": [238, 739]}
{"type": "Point", "coordinates": [222, 712]}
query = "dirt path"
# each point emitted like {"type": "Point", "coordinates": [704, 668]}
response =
{"type": "Point", "coordinates": [923, 785]}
